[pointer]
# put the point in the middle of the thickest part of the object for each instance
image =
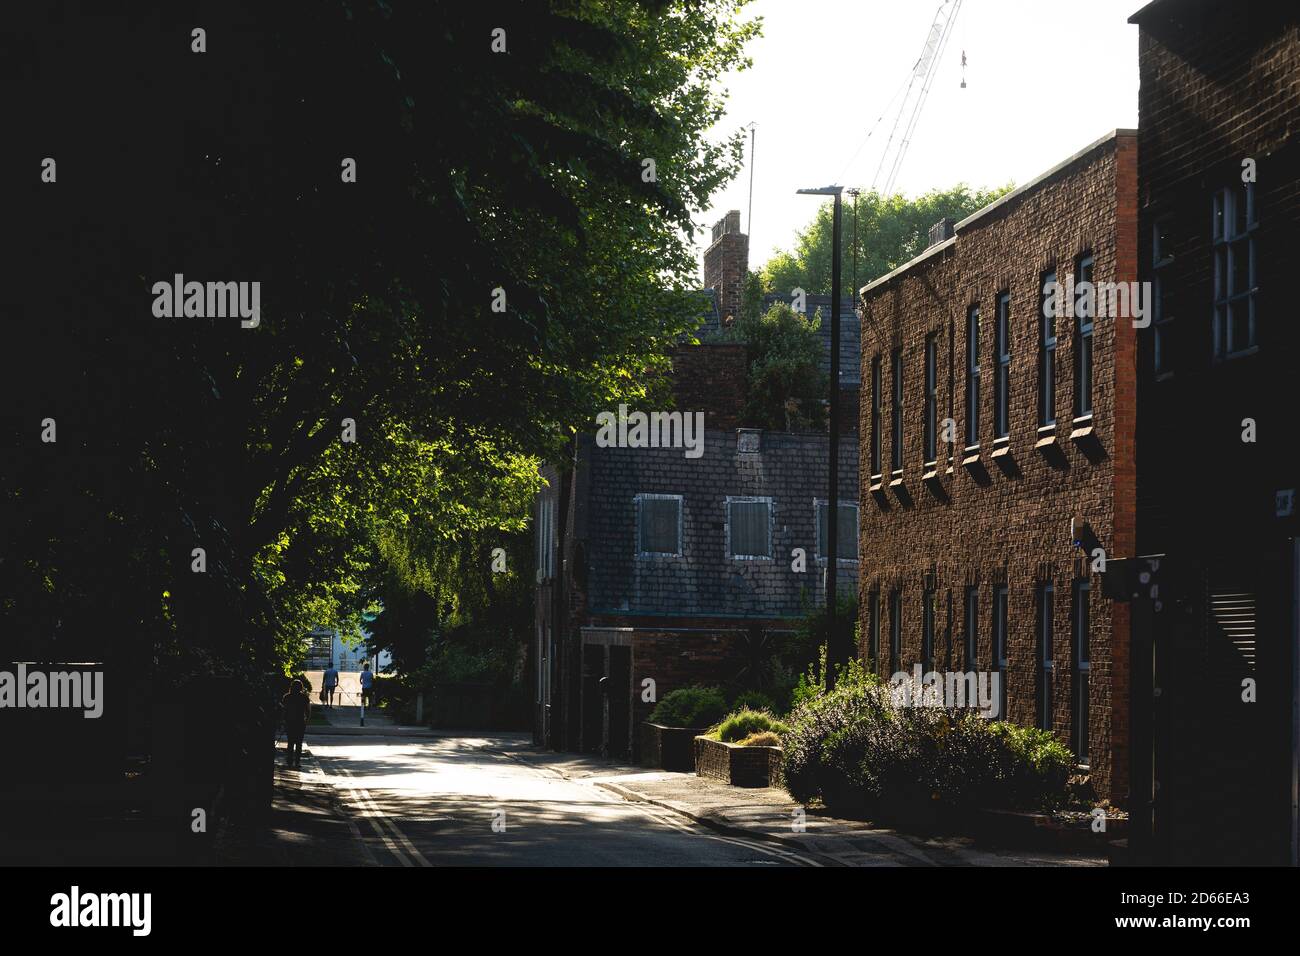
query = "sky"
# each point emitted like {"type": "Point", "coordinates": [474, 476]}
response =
{"type": "Point", "coordinates": [1044, 78]}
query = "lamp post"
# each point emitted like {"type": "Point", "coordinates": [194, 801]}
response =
{"type": "Point", "coordinates": [833, 656]}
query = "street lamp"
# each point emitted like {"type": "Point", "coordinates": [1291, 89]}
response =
{"type": "Point", "coordinates": [833, 658]}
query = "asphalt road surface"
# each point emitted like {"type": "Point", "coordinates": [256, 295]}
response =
{"type": "Point", "coordinates": [461, 801]}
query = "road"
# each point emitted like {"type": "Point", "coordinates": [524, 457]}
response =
{"type": "Point", "coordinates": [464, 801]}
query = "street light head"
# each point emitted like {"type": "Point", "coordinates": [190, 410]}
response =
{"type": "Point", "coordinates": [823, 191]}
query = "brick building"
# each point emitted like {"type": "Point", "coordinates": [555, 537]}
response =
{"type": "Point", "coordinates": [1219, 106]}
{"type": "Point", "coordinates": [652, 564]}
{"type": "Point", "coordinates": [997, 449]}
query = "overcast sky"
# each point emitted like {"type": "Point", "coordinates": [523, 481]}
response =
{"type": "Point", "coordinates": [1044, 78]}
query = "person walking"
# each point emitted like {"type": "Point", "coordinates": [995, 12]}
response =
{"type": "Point", "coordinates": [367, 686]}
{"type": "Point", "coordinates": [297, 708]}
{"type": "Point", "coordinates": [330, 682]}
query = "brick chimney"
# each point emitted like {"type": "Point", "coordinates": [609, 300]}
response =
{"type": "Point", "coordinates": [725, 263]}
{"type": "Point", "coordinates": [941, 231]}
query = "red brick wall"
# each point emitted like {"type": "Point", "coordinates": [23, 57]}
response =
{"type": "Point", "coordinates": [725, 264]}
{"type": "Point", "coordinates": [989, 525]}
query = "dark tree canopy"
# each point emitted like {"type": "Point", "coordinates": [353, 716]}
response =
{"type": "Point", "coordinates": [476, 170]}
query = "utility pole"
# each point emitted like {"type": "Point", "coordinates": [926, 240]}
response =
{"type": "Point", "coordinates": [854, 193]}
{"type": "Point", "coordinates": [834, 659]}
{"type": "Point", "coordinates": [749, 216]}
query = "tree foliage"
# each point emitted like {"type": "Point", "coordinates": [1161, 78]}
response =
{"type": "Point", "coordinates": [476, 171]}
{"type": "Point", "coordinates": [891, 230]}
{"type": "Point", "coordinates": [786, 386]}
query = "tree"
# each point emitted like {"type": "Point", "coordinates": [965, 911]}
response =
{"type": "Point", "coordinates": [501, 268]}
{"type": "Point", "coordinates": [891, 230]}
{"type": "Point", "coordinates": [786, 386]}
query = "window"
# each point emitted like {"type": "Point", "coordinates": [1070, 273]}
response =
{"type": "Point", "coordinates": [1162, 256]}
{"type": "Point", "coordinates": [1082, 666]}
{"type": "Point", "coordinates": [927, 630]}
{"type": "Point", "coordinates": [873, 628]}
{"type": "Point", "coordinates": [749, 527]}
{"type": "Point", "coordinates": [545, 538]}
{"type": "Point", "coordinates": [896, 439]}
{"type": "Point", "coordinates": [1002, 372]}
{"type": "Point", "coordinates": [972, 628]}
{"type": "Point", "coordinates": [1235, 286]}
{"type": "Point", "coordinates": [1047, 351]}
{"type": "Point", "coordinates": [999, 662]}
{"type": "Point", "coordinates": [931, 399]}
{"type": "Point", "coordinates": [973, 377]}
{"type": "Point", "coordinates": [1085, 308]}
{"type": "Point", "coordinates": [659, 524]}
{"type": "Point", "coordinates": [846, 530]}
{"type": "Point", "coordinates": [1045, 663]}
{"type": "Point", "coordinates": [876, 396]}
{"type": "Point", "coordinates": [895, 629]}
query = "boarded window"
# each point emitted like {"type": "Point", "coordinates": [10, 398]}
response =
{"type": "Point", "coordinates": [750, 527]}
{"type": "Point", "coordinates": [660, 518]}
{"type": "Point", "coordinates": [847, 544]}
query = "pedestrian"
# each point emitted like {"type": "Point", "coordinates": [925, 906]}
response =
{"type": "Point", "coordinates": [331, 683]}
{"type": "Point", "coordinates": [297, 707]}
{"type": "Point", "coordinates": [367, 686]}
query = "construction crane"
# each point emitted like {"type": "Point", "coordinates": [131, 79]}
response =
{"type": "Point", "coordinates": [918, 87]}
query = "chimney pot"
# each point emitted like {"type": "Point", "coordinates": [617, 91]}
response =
{"type": "Point", "coordinates": [941, 230]}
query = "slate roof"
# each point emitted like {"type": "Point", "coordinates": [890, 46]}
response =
{"type": "Point", "coordinates": [705, 581]}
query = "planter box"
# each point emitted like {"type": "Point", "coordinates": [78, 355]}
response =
{"type": "Point", "coordinates": [737, 765]}
{"type": "Point", "coordinates": [669, 748]}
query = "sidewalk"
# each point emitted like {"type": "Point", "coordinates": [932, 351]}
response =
{"type": "Point", "coordinates": [769, 814]}
{"type": "Point", "coordinates": [307, 825]}
{"type": "Point", "coordinates": [346, 719]}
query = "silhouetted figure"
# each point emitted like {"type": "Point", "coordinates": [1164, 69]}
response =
{"type": "Point", "coordinates": [330, 682]}
{"type": "Point", "coordinates": [367, 686]}
{"type": "Point", "coordinates": [297, 707]}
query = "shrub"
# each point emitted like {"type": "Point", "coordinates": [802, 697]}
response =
{"type": "Point", "coordinates": [851, 708]}
{"type": "Point", "coordinates": [1035, 765]}
{"type": "Point", "coordinates": [810, 683]}
{"type": "Point", "coordinates": [764, 739]}
{"type": "Point", "coordinates": [753, 700]}
{"type": "Point", "coordinates": [745, 722]}
{"type": "Point", "coordinates": [855, 749]}
{"type": "Point", "coordinates": [690, 707]}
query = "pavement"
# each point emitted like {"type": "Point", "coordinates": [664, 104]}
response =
{"type": "Point", "coordinates": [308, 826]}
{"type": "Point", "coordinates": [413, 797]}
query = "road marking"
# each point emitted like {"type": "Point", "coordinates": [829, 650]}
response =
{"type": "Point", "coordinates": [370, 810]}
{"type": "Point", "coordinates": [352, 824]}
{"type": "Point", "coordinates": [671, 818]}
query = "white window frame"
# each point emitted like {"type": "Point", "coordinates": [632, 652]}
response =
{"type": "Point", "coordinates": [681, 508]}
{"type": "Point", "coordinates": [749, 499]}
{"type": "Point", "coordinates": [819, 546]}
{"type": "Point", "coordinates": [1223, 235]}
{"type": "Point", "coordinates": [545, 538]}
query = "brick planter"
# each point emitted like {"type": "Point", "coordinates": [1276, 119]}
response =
{"type": "Point", "coordinates": [669, 748]}
{"type": "Point", "coordinates": [737, 765]}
